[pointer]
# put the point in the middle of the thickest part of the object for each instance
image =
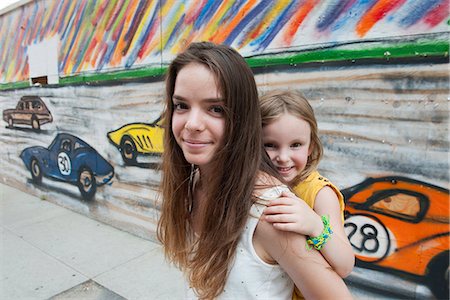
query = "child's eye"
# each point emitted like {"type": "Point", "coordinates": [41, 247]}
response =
{"type": "Point", "coordinates": [217, 109]}
{"type": "Point", "coordinates": [269, 146]}
{"type": "Point", "coordinates": [296, 145]}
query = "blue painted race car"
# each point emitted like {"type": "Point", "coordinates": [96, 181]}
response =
{"type": "Point", "coordinates": [69, 159]}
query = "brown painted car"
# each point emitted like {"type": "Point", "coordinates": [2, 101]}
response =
{"type": "Point", "coordinates": [30, 110]}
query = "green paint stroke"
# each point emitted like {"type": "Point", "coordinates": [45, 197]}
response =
{"type": "Point", "coordinates": [411, 50]}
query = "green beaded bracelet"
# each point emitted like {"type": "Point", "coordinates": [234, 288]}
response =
{"type": "Point", "coordinates": [318, 241]}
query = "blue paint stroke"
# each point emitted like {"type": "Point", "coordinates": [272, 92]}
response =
{"type": "Point", "coordinates": [69, 25]}
{"type": "Point", "coordinates": [206, 13]}
{"type": "Point", "coordinates": [256, 22]}
{"type": "Point", "coordinates": [85, 41]}
{"type": "Point", "coordinates": [143, 38]}
{"type": "Point", "coordinates": [52, 19]}
{"type": "Point", "coordinates": [255, 12]}
{"type": "Point", "coordinates": [64, 13]}
{"type": "Point", "coordinates": [232, 12]}
{"type": "Point", "coordinates": [136, 18]}
{"type": "Point", "coordinates": [332, 12]}
{"type": "Point", "coordinates": [417, 11]}
{"type": "Point", "coordinates": [77, 28]}
{"type": "Point", "coordinates": [275, 26]}
{"type": "Point", "coordinates": [174, 35]}
{"type": "Point", "coordinates": [353, 15]}
{"type": "Point", "coordinates": [40, 34]}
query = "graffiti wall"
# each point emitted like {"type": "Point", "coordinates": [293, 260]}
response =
{"type": "Point", "coordinates": [81, 94]}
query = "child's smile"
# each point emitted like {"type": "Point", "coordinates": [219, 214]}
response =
{"type": "Point", "coordinates": [287, 141]}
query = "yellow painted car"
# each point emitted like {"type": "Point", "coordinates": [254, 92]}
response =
{"type": "Point", "coordinates": [138, 138]}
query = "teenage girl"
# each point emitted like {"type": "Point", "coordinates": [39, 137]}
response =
{"type": "Point", "coordinates": [216, 182]}
{"type": "Point", "coordinates": [290, 137]}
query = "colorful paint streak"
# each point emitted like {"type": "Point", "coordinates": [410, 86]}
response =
{"type": "Point", "coordinates": [122, 34]}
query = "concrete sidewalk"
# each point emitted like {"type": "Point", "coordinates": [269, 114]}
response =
{"type": "Point", "coordinates": [47, 251]}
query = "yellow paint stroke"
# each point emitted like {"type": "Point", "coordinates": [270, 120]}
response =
{"type": "Point", "coordinates": [166, 34]}
{"type": "Point", "coordinates": [98, 38]}
{"type": "Point", "coordinates": [211, 28]}
{"type": "Point", "coordinates": [223, 33]}
{"type": "Point", "coordinates": [171, 27]}
{"type": "Point", "coordinates": [273, 13]}
{"type": "Point", "coordinates": [183, 40]}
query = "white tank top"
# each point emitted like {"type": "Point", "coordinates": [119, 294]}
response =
{"type": "Point", "coordinates": [250, 277]}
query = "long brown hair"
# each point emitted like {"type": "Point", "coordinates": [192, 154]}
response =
{"type": "Point", "coordinates": [229, 190]}
{"type": "Point", "coordinates": [278, 102]}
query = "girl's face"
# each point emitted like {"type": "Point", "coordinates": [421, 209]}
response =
{"type": "Point", "coordinates": [198, 121]}
{"type": "Point", "coordinates": [287, 141]}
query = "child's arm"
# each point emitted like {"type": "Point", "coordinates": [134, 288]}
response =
{"type": "Point", "coordinates": [289, 213]}
{"type": "Point", "coordinates": [337, 251]}
{"type": "Point", "coordinates": [307, 268]}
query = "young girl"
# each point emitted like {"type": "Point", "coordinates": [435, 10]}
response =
{"type": "Point", "coordinates": [216, 181]}
{"type": "Point", "coordinates": [290, 137]}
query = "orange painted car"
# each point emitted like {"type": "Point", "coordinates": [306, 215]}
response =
{"type": "Point", "coordinates": [401, 225]}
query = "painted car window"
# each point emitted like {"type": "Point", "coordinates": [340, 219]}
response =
{"type": "Point", "coordinates": [36, 105]}
{"type": "Point", "coordinates": [66, 145]}
{"type": "Point", "coordinates": [77, 145]}
{"type": "Point", "coordinates": [21, 105]}
{"type": "Point", "coordinates": [399, 205]}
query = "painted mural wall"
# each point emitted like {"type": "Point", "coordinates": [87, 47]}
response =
{"type": "Point", "coordinates": [81, 94]}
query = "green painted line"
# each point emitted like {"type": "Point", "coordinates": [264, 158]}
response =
{"type": "Point", "coordinates": [408, 50]}
{"type": "Point", "coordinates": [111, 76]}
{"type": "Point", "coordinates": [440, 49]}
{"type": "Point", "coordinates": [14, 85]}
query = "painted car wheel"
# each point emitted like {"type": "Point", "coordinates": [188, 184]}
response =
{"type": "Point", "coordinates": [370, 239]}
{"type": "Point", "coordinates": [86, 183]}
{"type": "Point", "coordinates": [438, 275]}
{"type": "Point", "coordinates": [36, 172]}
{"type": "Point", "coordinates": [35, 123]}
{"type": "Point", "coordinates": [10, 122]}
{"type": "Point", "coordinates": [128, 150]}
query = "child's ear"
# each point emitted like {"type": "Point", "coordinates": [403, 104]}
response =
{"type": "Point", "coordinates": [310, 149]}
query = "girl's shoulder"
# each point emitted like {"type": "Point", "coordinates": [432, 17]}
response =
{"type": "Point", "coordinates": [268, 188]}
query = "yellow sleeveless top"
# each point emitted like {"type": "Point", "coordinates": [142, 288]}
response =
{"type": "Point", "coordinates": [307, 190]}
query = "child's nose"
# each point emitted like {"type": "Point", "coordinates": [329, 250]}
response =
{"type": "Point", "coordinates": [282, 156]}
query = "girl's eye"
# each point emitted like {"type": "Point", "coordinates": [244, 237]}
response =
{"type": "Point", "coordinates": [296, 145]}
{"type": "Point", "coordinates": [179, 106]}
{"type": "Point", "coordinates": [217, 109]}
{"type": "Point", "coordinates": [269, 146]}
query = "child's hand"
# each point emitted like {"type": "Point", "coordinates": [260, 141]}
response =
{"type": "Point", "coordinates": [290, 213]}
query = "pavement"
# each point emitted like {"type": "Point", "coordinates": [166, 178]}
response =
{"type": "Point", "coordinates": [49, 252]}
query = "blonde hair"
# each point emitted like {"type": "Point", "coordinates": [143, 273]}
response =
{"type": "Point", "coordinates": [276, 103]}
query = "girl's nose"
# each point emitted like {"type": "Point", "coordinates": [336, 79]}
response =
{"type": "Point", "coordinates": [194, 121]}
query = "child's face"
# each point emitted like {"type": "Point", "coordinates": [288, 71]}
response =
{"type": "Point", "coordinates": [287, 141]}
{"type": "Point", "coordinates": [198, 121]}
